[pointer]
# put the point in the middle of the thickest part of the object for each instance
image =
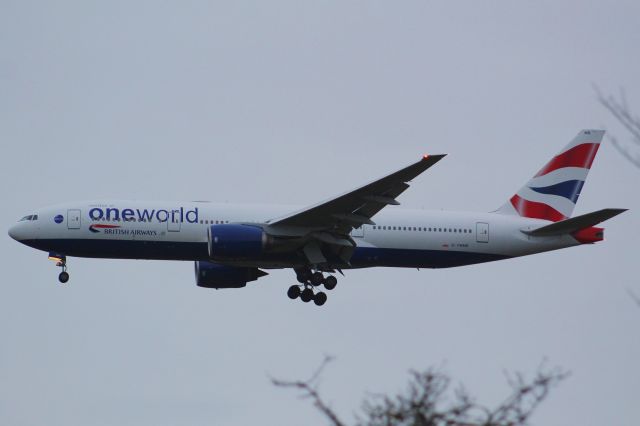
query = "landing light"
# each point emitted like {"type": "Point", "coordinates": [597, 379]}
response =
{"type": "Point", "coordinates": [58, 258]}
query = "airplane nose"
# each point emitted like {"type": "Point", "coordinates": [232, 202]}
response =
{"type": "Point", "coordinates": [14, 232]}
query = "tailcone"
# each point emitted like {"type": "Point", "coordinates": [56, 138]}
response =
{"type": "Point", "coordinates": [589, 235]}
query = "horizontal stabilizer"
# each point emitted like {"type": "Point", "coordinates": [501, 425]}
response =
{"type": "Point", "coordinates": [574, 224]}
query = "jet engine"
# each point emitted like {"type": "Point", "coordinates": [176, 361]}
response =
{"type": "Point", "coordinates": [236, 242]}
{"type": "Point", "coordinates": [214, 275]}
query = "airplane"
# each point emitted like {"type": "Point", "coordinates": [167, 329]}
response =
{"type": "Point", "coordinates": [232, 245]}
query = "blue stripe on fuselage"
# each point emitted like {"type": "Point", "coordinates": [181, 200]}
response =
{"type": "Point", "coordinates": [119, 249]}
{"type": "Point", "coordinates": [363, 257]}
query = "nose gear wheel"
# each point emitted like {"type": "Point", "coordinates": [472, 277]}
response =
{"type": "Point", "coordinates": [61, 262]}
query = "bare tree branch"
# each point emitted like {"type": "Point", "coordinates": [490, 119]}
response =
{"type": "Point", "coordinates": [620, 110]}
{"type": "Point", "coordinates": [634, 296]}
{"type": "Point", "coordinates": [525, 397]}
{"type": "Point", "coordinates": [309, 389]}
{"type": "Point", "coordinates": [428, 402]}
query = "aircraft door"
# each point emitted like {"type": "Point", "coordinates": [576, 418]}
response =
{"type": "Point", "coordinates": [173, 223]}
{"type": "Point", "coordinates": [73, 219]}
{"type": "Point", "coordinates": [482, 232]}
{"type": "Point", "coordinates": [358, 232]}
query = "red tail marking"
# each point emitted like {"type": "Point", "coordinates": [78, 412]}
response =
{"type": "Point", "coordinates": [578, 156]}
{"type": "Point", "coordinates": [536, 210]}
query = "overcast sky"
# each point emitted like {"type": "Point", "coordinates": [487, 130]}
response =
{"type": "Point", "coordinates": [293, 102]}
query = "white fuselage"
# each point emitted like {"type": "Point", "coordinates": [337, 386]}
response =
{"type": "Point", "coordinates": [179, 231]}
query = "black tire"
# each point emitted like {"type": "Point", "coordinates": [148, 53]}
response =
{"type": "Point", "coordinates": [293, 292]}
{"type": "Point", "coordinates": [320, 298]}
{"type": "Point", "coordinates": [317, 278]}
{"type": "Point", "coordinates": [330, 282]}
{"type": "Point", "coordinates": [63, 277]}
{"type": "Point", "coordinates": [303, 275]}
{"type": "Point", "coordinates": [306, 295]}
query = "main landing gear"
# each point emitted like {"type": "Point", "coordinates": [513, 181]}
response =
{"type": "Point", "coordinates": [308, 280]}
{"type": "Point", "coordinates": [61, 261]}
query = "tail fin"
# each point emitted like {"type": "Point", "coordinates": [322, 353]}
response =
{"type": "Point", "coordinates": [553, 192]}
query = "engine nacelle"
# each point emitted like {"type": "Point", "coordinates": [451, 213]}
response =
{"type": "Point", "coordinates": [236, 242]}
{"type": "Point", "coordinates": [214, 275]}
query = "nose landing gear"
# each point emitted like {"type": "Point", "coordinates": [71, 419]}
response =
{"type": "Point", "coordinates": [61, 261]}
{"type": "Point", "coordinates": [308, 280]}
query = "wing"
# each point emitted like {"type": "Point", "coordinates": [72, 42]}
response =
{"type": "Point", "coordinates": [341, 214]}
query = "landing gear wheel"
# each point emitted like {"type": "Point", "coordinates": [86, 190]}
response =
{"type": "Point", "coordinates": [306, 295]}
{"type": "Point", "coordinates": [330, 282]}
{"type": "Point", "coordinates": [303, 275]}
{"type": "Point", "coordinates": [293, 292]}
{"type": "Point", "coordinates": [63, 277]}
{"type": "Point", "coordinates": [317, 278]}
{"type": "Point", "coordinates": [320, 298]}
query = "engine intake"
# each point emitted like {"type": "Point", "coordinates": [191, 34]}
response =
{"type": "Point", "coordinates": [214, 275]}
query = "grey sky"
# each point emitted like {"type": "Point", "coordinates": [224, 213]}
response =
{"type": "Point", "coordinates": [292, 102]}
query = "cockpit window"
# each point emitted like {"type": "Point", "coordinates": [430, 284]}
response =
{"type": "Point", "coordinates": [34, 217]}
{"type": "Point", "coordinates": [30, 217]}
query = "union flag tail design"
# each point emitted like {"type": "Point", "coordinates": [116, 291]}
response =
{"type": "Point", "coordinates": [553, 192]}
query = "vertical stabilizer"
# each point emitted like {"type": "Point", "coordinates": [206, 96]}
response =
{"type": "Point", "coordinates": [553, 192]}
